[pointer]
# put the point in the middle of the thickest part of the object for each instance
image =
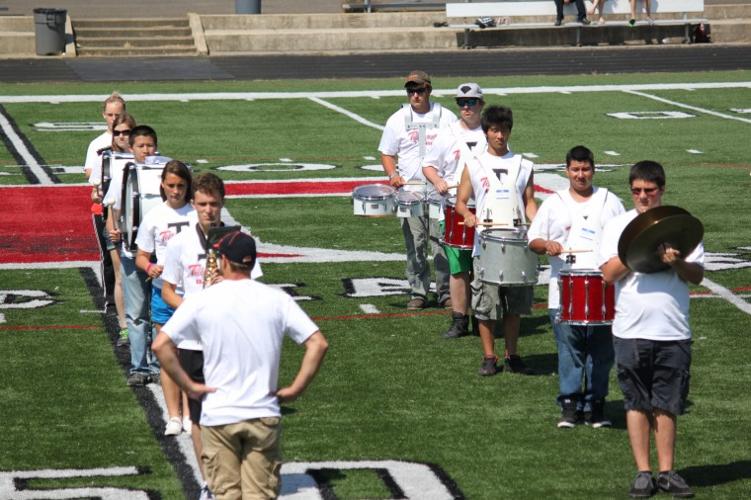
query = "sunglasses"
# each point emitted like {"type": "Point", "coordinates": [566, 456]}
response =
{"type": "Point", "coordinates": [418, 91]}
{"type": "Point", "coordinates": [467, 101]}
{"type": "Point", "coordinates": [647, 191]}
{"type": "Point", "coordinates": [120, 132]}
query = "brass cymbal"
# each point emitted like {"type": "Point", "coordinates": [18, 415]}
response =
{"type": "Point", "coordinates": [638, 244]}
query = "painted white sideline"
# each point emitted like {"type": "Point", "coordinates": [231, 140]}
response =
{"type": "Point", "coordinates": [13, 137]}
{"type": "Point", "coordinates": [727, 295]}
{"type": "Point", "coordinates": [234, 96]}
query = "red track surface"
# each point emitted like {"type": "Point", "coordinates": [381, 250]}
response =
{"type": "Point", "coordinates": [53, 223]}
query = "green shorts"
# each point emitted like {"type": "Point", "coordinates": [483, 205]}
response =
{"type": "Point", "coordinates": [460, 260]}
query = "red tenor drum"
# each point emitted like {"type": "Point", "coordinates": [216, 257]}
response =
{"type": "Point", "coordinates": [456, 234]}
{"type": "Point", "coordinates": [585, 298]}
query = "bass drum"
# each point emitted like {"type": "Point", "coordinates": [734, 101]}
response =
{"type": "Point", "coordinates": [140, 194]}
{"type": "Point", "coordinates": [505, 259]}
{"type": "Point", "coordinates": [112, 162]}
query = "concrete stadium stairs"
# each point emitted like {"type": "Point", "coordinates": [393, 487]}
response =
{"type": "Point", "coordinates": [134, 37]}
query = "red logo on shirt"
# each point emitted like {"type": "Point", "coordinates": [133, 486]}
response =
{"type": "Point", "coordinates": [485, 184]}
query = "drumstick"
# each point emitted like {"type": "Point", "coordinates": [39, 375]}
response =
{"type": "Point", "coordinates": [415, 183]}
{"type": "Point", "coordinates": [580, 250]}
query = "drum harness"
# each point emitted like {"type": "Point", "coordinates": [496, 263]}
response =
{"type": "Point", "coordinates": [577, 224]}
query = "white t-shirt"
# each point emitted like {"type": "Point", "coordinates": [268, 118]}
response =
{"type": "Point", "coordinates": [185, 264]}
{"type": "Point", "coordinates": [241, 325]}
{"type": "Point", "coordinates": [501, 167]}
{"type": "Point", "coordinates": [446, 152]}
{"type": "Point", "coordinates": [94, 160]}
{"type": "Point", "coordinates": [158, 227]}
{"type": "Point", "coordinates": [575, 225]}
{"type": "Point", "coordinates": [650, 306]}
{"type": "Point", "coordinates": [398, 141]}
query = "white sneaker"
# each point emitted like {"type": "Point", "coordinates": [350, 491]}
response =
{"type": "Point", "coordinates": [187, 425]}
{"type": "Point", "coordinates": [173, 427]}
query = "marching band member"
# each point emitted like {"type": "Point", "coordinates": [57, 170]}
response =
{"type": "Point", "coordinates": [112, 108]}
{"type": "Point", "coordinates": [407, 138]}
{"type": "Point", "coordinates": [185, 269]}
{"type": "Point", "coordinates": [158, 226]}
{"type": "Point", "coordinates": [573, 218]}
{"type": "Point", "coordinates": [502, 185]}
{"type": "Point", "coordinates": [652, 338]}
{"type": "Point", "coordinates": [121, 128]}
{"type": "Point", "coordinates": [443, 166]}
{"type": "Point", "coordinates": [144, 368]}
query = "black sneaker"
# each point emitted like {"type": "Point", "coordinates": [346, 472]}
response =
{"type": "Point", "coordinates": [568, 414]}
{"type": "Point", "coordinates": [643, 486]}
{"type": "Point", "coordinates": [458, 328]}
{"type": "Point", "coordinates": [489, 366]}
{"type": "Point", "coordinates": [671, 482]}
{"type": "Point", "coordinates": [514, 364]}
{"type": "Point", "coordinates": [596, 418]}
{"type": "Point", "coordinates": [585, 21]}
{"type": "Point", "coordinates": [558, 22]}
{"type": "Point", "coordinates": [138, 379]}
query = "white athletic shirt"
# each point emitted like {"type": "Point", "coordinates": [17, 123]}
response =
{"type": "Point", "coordinates": [184, 266]}
{"type": "Point", "coordinates": [447, 150]}
{"type": "Point", "coordinates": [500, 168]}
{"type": "Point", "coordinates": [94, 160]}
{"type": "Point", "coordinates": [158, 227]}
{"type": "Point", "coordinates": [402, 143]}
{"type": "Point", "coordinates": [650, 306]}
{"type": "Point", "coordinates": [575, 225]}
{"type": "Point", "coordinates": [241, 325]}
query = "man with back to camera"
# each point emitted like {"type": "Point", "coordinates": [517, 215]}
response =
{"type": "Point", "coordinates": [573, 218]}
{"type": "Point", "coordinates": [406, 139]}
{"type": "Point", "coordinates": [652, 338]}
{"type": "Point", "coordinates": [241, 324]}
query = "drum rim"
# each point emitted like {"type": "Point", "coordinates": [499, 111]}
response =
{"type": "Point", "coordinates": [390, 191]}
{"type": "Point", "coordinates": [580, 272]}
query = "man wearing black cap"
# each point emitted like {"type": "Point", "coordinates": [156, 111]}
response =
{"type": "Point", "coordinates": [407, 137]}
{"type": "Point", "coordinates": [241, 324]}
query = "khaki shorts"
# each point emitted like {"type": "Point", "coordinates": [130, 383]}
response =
{"type": "Point", "coordinates": [244, 459]}
{"type": "Point", "coordinates": [492, 302]}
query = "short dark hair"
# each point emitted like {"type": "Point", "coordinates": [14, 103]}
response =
{"type": "Point", "coordinates": [208, 183]}
{"type": "Point", "coordinates": [142, 130]}
{"type": "Point", "coordinates": [580, 153]}
{"type": "Point", "coordinates": [499, 116]}
{"type": "Point", "coordinates": [181, 170]}
{"type": "Point", "coordinates": [647, 170]}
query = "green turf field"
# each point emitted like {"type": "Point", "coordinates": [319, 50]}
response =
{"type": "Point", "coordinates": [391, 387]}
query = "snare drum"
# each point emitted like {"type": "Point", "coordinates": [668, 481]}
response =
{"type": "Point", "coordinates": [112, 165]}
{"type": "Point", "coordinates": [434, 202]}
{"type": "Point", "coordinates": [456, 234]}
{"type": "Point", "coordinates": [373, 200]}
{"type": "Point", "coordinates": [585, 298]}
{"type": "Point", "coordinates": [505, 259]}
{"type": "Point", "coordinates": [409, 204]}
{"type": "Point", "coordinates": [139, 195]}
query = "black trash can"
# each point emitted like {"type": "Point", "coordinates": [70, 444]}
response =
{"type": "Point", "coordinates": [49, 28]}
{"type": "Point", "coordinates": [247, 6]}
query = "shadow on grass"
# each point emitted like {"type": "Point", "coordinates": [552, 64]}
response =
{"type": "Point", "coordinates": [713, 475]}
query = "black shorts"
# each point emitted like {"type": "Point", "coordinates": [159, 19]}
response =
{"type": "Point", "coordinates": [653, 375]}
{"type": "Point", "coordinates": [192, 363]}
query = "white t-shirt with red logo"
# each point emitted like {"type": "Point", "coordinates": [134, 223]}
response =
{"type": "Point", "coordinates": [397, 140]}
{"type": "Point", "coordinates": [159, 225]}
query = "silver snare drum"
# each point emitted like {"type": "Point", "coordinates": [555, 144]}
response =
{"type": "Point", "coordinates": [373, 200]}
{"type": "Point", "coordinates": [505, 259]}
{"type": "Point", "coordinates": [409, 204]}
{"type": "Point", "coordinates": [435, 206]}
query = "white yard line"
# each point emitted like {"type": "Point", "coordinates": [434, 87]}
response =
{"type": "Point", "coordinates": [727, 295]}
{"type": "Point", "coordinates": [31, 162]}
{"type": "Point", "coordinates": [688, 106]}
{"type": "Point", "coordinates": [224, 96]}
{"type": "Point", "coordinates": [354, 116]}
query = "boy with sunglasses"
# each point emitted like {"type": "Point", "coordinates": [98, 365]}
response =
{"type": "Point", "coordinates": [407, 138]}
{"type": "Point", "coordinates": [443, 167]}
{"type": "Point", "coordinates": [652, 339]}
